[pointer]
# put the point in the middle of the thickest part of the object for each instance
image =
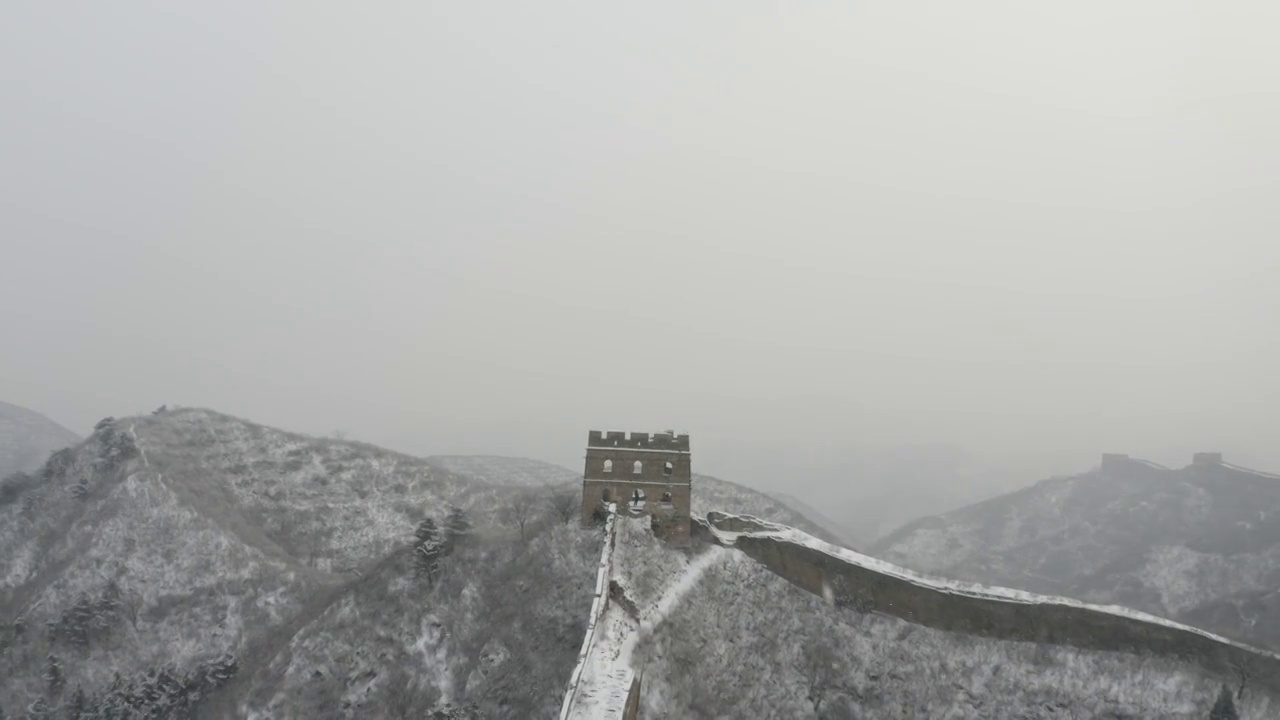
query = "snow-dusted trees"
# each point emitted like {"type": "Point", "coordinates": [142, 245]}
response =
{"type": "Point", "coordinates": [433, 543]}
{"type": "Point", "coordinates": [114, 447]}
{"type": "Point", "coordinates": [563, 503]}
{"type": "Point", "coordinates": [457, 528]}
{"type": "Point", "coordinates": [14, 485]}
{"type": "Point", "coordinates": [1225, 707]}
{"type": "Point", "coordinates": [825, 671]}
{"type": "Point", "coordinates": [59, 462]}
{"type": "Point", "coordinates": [54, 675]}
{"type": "Point", "coordinates": [39, 710]}
{"type": "Point", "coordinates": [78, 705]}
{"type": "Point", "coordinates": [89, 617]}
{"type": "Point", "coordinates": [519, 510]}
{"type": "Point", "coordinates": [428, 549]}
{"type": "Point", "coordinates": [164, 692]}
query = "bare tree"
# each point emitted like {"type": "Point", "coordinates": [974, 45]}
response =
{"type": "Point", "coordinates": [563, 503]}
{"type": "Point", "coordinates": [520, 510]}
{"type": "Point", "coordinates": [824, 672]}
{"type": "Point", "coordinates": [1244, 669]}
{"type": "Point", "coordinates": [407, 699]}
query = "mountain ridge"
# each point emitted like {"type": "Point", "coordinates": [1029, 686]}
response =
{"type": "Point", "coordinates": [1199, 543]}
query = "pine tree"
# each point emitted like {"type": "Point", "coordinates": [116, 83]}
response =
{"type": "Point", "coordinates": [39, 710]}
{"type": "Point", "coordinates": [80, 490]}
{"type": "Point", "coordinates": [78, 708]}
{"type": "Point", "coordinates": [429, 550]}
{"type": "Point", "coordinates": [426, 531]}
{"type": "Point", "coordinates": [1225, 707]}
{"type": "Point", "coordinates": [53, 674]}
{"type": "Point", "coordinates": [457, 528]}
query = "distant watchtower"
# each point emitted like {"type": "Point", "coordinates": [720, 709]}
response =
{"type": "Point", "coordinates": [643, 474]}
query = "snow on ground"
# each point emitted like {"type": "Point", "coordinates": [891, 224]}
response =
{"type": "Point", "coordinates": [665, 576]}
{"type": "Point", "coordinates": [652, 615]}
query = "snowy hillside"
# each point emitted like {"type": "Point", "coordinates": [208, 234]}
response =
{"type": "Point", "coordinates": [215, 562]}
{"type": "Point", "coordinates": [505, 470]}
{"type": "Point", "coordinates": [1199, 544]}
{"type": "Point", "coordinates": [27, 438]}
{"type": "Point", "coordinates": [722, 636]}
{"type": "Point", "coordinates": [712, 494]}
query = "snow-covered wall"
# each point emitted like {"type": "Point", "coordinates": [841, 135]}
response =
{"type": "Point", "coordinates": [598, 607]}
{"type": "Point", "coordinates": [866, 584]}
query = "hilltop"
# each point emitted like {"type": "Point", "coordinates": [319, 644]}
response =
{"type": "Point", "coordinates": [1200, 544]}
{"type": "Point", "coordinates": [709, 493]}
{"type": "Point", "coordinates": [215, 562]}
{"type": "Point", "coordinates": [27, 438]}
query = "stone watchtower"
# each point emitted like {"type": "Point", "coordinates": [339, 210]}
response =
{"type": "Point", "coordinates": [644, 474]}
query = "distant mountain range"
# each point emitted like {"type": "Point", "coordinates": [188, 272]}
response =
{"type": "Point", "coordinates": [27, 438]}
{"type": "Point", "coordinates": [1200, 544]}
{"type": "Point", "coordinates": [189, 563]}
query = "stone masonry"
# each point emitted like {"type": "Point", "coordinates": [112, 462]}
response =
{"type": "Point", "coordinates": [645, 474]}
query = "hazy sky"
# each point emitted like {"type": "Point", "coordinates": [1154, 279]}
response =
{"type": "Point", "coordinates": [1037, 231]}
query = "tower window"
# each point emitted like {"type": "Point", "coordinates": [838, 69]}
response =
{"type": "Point", "coordinates": [608, 466]}
{"type": "Point", "coordinates": [636, 469]}
{"type": "Point", "coordinates": [668, 468]}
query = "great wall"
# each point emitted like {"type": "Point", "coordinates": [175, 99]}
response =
{"type": "Point", "coordinates": [603, 686]}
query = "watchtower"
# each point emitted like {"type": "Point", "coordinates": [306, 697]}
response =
{"type": "Point", "coordinates": [643, 473]}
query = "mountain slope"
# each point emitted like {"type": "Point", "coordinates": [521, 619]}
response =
{"type": "Point", "coordinates": [27, 438]}
{"type": "Point", "coordinates": [723, 636]}
{"type": "Point", "coordinates": [505, 470]}
{"type": "Point", "coordinates": [206, 559]}
{"type": "Point", "coordinates": [1200, 544]}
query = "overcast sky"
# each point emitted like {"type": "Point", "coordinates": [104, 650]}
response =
{"type": "Point", "coordinates": [1033, 231]}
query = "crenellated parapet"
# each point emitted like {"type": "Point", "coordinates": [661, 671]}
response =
{"type": "Point", "coordinates": [663, 441]}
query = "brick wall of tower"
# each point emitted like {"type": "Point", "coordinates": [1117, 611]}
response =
{"type": "Point", "coordinates": [618, 465]}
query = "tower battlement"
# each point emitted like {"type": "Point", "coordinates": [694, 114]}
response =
{"type": "Point", "coordinates": [638, 440]}
{"type": "Point", "coordinates": [1206, 458]}
{"type": "Point", "coordinates": [1112, 461]}
{"type": "Point", "coordinates": [645, 474]}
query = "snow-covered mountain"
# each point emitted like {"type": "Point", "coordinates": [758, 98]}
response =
{"type": "Point", "coordinates": [1200, 544]}
{"type": "Point", "coordinates": [27, 438]}
{"type": "Point", "coordinates": [190, 564]}
{"type": "Point", "coordinates": [252, 572]}
{"type": "Point", "coordinates": [720, 633]}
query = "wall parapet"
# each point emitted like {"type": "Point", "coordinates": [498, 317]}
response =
{"type": "Point", "coordinates": [865, 584]}
{"type": "Point", "coordinates": [661, 441]}
{"type": "Point", "coordinates": [599, 604]}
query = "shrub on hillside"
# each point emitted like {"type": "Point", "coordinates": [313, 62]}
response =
{"type": "Point", "coordinates": [91, 616]}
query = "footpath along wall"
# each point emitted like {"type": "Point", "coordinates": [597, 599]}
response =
{"type": "Point", "coordinates": [628, 707]}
